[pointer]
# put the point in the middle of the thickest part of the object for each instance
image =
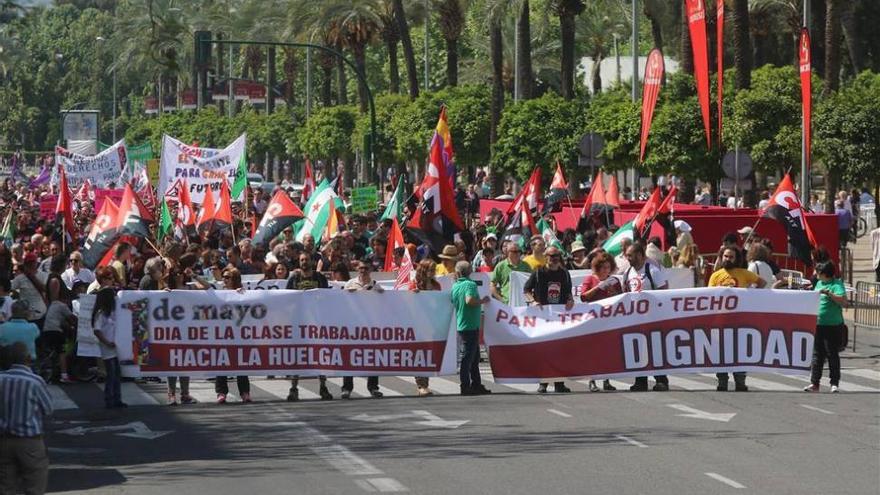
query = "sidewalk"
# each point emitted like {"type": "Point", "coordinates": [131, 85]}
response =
{"type": "Point", "coordinates": [868, 341]}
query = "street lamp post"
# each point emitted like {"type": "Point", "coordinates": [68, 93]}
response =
{"type": "Point", "coordinates": [635, 80]}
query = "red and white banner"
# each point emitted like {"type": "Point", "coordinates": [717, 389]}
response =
{"type": "Point", "coordinates": [696, 16]}
{"type": "Point", "coordinates": [650, 91]}
{"type": "Point", "coordinates": [281, 332]}
{"type": "Point", "coordinates": [806, 70]}
{"type": "Point", "coordinates": [670, 331]}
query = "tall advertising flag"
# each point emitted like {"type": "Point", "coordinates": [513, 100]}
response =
{"type": "Point", "coordinates": [696, 15]}
{"type": "Point", "coordinates": [650, 92]}
{"type": "Point", "coordinates": [806, 69]}
{"type": "Point", "coordinates": [719, 13]}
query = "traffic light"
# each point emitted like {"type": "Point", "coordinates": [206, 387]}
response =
{"type": "Point", "coordinates": [202, 49]}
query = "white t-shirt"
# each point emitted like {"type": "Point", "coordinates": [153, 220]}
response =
{"type": "Point", "coordinates": [69, 277]}
{"type": "Point", "coordinates": [107, 326]}
{"type": "Point", "coordinates": [637, 280]}
{"type": "Point", "coordinates": [763, 270]}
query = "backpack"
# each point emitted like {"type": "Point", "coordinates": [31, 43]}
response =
{"type": "Point", "coordinates": [647, 275]}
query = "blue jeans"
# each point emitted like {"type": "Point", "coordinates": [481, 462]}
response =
{"type": "Point", "coordinates": [470, 360]}
{"type": "Point", "coordinates": [113, 383]}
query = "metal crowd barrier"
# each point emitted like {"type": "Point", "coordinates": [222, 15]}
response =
{"type": "Point", "coordinates": [866, 301]}
{"type": "Point", "coordinates": [846, 265]}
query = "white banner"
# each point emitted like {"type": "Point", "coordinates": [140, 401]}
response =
{"type": "Point", "coordinates": [282, 332]}
{"type": "Point", "coordinates": [679, 278]}
{"type": "Point", "coordinates": [102, 170]}
{"type": "Point", "coordinates": [654, 332]}
{"type": "Point", "coordinates": [200, 167]}
{"type": "Point", "coordinates": [256, 282]}
{"type": "Point", "coordinates": [86, 341]}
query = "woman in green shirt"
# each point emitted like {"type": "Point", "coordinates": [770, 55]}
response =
{"type": "Point", "coordinates": [829, 326]}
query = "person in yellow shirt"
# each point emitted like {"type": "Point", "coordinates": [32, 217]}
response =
{"type": "Point", "coordinates": [536, 259]}
{"type": "Point", "coordinates": [448, 258]}
{"type": "Point", "coordinates": [731, 274]}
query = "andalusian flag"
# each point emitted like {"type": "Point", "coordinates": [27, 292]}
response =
{"type": "Point", "coordinates": [7, 234]}
{"type": "Point", "coordinates": [395, 206]}
{"type": "Point", "coordinates": [240, 182]}
{"type": "Point", "coordinates": [166, 223]}
{"type": "Point", "coordinates": [549, 236]}
{"type": "Point", "coordinates": [614, 244]}
{"type": "Point", "coordinates": [317, 211]}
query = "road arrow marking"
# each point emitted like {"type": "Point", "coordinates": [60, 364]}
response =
{"type": "Point", "coordinates": [426, 419]}
{"type": "Point", "coordinates": [691, 412]}
{"type": "Point", "coordinates": [138, 430]}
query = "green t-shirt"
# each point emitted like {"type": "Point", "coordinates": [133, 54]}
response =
{"type": "Point", "coordinates": [501, 276]}
{"type": "Point", "coordinates": [466, 317]}
{"type": "Point", "coordinates": [830, 313]}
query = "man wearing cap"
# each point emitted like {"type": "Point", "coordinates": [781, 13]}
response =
{"type": "Point", "coordinates": [536, 259]}
{"type": "Point", "coordinates": [31, 288]}
{"type": "Point", "coordinates": [578, 257]}
{"type": "Point", "coordinates": [683, 232]}
{"type": "Point", "coordinates": [551, 285]}
{"type": "Point", "coordinates": [500, 279]}
{"type": "Point", "coordinates": [491, 242]}
{"type": "Point", "coordinates": [447, 258]}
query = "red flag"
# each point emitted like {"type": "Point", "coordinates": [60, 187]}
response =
{"type": "Point", "coordinates": [395, 240]}
{"type": "Point", "coordinates": [648, 212]}
{"type": "Point", "coordinates": [806, 63]}
{"type": "Point", "coordinates": [650, 91]}
{"type": "Point", "coordinates": [224, 206]}
{"type": "Point", "coordinates": [444, 136]}
{"type": "Point", "coordinates": [281, 213]}
{"type": "Point", "coordinates": [786, 208]}
{"type": "Point", "coordinates": [308, 183]}
{"type": "Point", "coordinates": [521, 210]}
{"type": "Point", "coordinates": [668, 204]}
{"type": "Point", "coordinates": [558, 179]}
{"type": "Point", "coordinates": [132, 217]}
{"type": "Point", "coordinates": [64, 206]}
{"type": "Point", "coordinates": [596, 197]}
{"type": "Point", "coordinates": [406, 272]}
{"type": "Point", "coordinates": [85, 192]}
{"type": "Point", "coordinates": [719, 31]}
{"type": "Point", "coordinates": [696, 15]}
{"type": "Point", "coordinates": [102, 234]}
{"type": "Point", "coordinates": [436, 219]}
{"type": "Point", "coordinates": [612, 196]}
{"type": "Point", "coordinates": [206, 213]}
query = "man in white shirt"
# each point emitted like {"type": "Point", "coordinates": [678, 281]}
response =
{"type": "Point", "coordinates": [77, 272]}
{"type": "Point", "coordinates": [641, 276]}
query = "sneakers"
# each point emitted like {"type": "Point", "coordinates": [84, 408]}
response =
{"type": "Point", "coordinates": [561, 389]}
{"type": "Point", "coordinates": [346, 394]}
{"type": "Point", "coordinates": [542, 388]}
{"type": "Point", "coordinates": [221, 398]}
{"type": "Point", "coordinates": [187, 399]}
{"type": "Point", "coordinates": [593, 386]}
{"type": "Point", "coordinates": [65, 380]}
{"type": "Point", "coordinates": [661, 387]}
{"type": "Point", "coordinates": [246, 398]}
{"type": "Point", "coordinates": [172, 400]}
{"type": "Point", "coordinates": [376, 394]}
{"type": "Point", "coordinates": [293, 395]}
{"type": "Point", "coordinates": [425, 392]}
{"type": "Point", "coordinates": [813, 387]}
{"type": "Point", "coordinates": [608, 387]}
{"type": "Point", "coordinates": [325, 393]}
{"type": "Point", "coordinates": [835, 389]}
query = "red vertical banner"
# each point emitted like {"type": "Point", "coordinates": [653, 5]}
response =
{"type": "Point", "coordinates": [650, 92]}
{"type": "Point", "coordinates": [719, 50]}
{"type": "Point", "coordinates": [696, 15]}
{"type": "Point", "coordinates": [806, 69]}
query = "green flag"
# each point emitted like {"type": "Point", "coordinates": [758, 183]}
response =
{"type": "Point", "coordinates": [614, 244]}
{"type": "Point", "coordinates": [317, 211]}
{"type": "Point", "coordinates": [240, 176]}
{"type": "Point", "coordinates": [549, 236]}
{"type": "Point", "coordinates": [166, 224]}
{"type": "Point", "coordinates": [7, 235]}
{"type": "Point", "coordinates": [395, 206]}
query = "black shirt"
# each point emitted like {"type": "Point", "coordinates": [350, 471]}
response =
{"type": "Point", "coordinates": [301, 282]}
{"type": "Point", "coordinates": [549, 286]}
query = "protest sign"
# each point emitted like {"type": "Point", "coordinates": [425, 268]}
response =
{"type": "Point", "coordinates": [201, 167]}
{"type": "Point", "coordinates": [655, 332]}
{"type": "Point", "coordinates": [48, 203]}
{"type": "Point", "coordinates": [101, 170]}
{"type": "Point", "coordinates": [103, 194]}
{"type": "Point", "coordinates": [317, 332]}
{"type": "Point", "coordinates": [86, 341]}
{"type": "Point", "coordinates": [363, 199]}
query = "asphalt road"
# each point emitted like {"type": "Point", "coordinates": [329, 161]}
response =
{"type": "Point", "coordinates": [777, 441]}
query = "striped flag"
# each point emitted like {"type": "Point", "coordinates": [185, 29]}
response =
{"type": "Point", "coordinates": [317, 211]}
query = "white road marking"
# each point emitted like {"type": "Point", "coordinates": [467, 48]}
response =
{"type": "Point", "coordinates": [844, 387]}
{"type": "Point", "coordinates": [760, 384]}
{"type": "Point", "coordinates": [631, 441]}
{"type": "Point", "coordinates": [863, 373]}
{"type": "Point", "coordinates": [360, 387]}
{"type": "Point", "coordinates": [345, 460]}
{"type": "Point", "coordinates": [688, 384]}
{"type": "Point", "coordinates": [60, 399]}
{"type": "Point", "coordinates": [442, 386]}
{"type": "Point", "coordinates": [559, 413]}
{"type": "Point", "coordinates": [691, 412]}
{"type": "Point", "coordinates": [280, 389]}
{"type": "Point", "coordinates": [528, 388]}
{"type": "Point", "coordinates": [203, 391]}
{"type": "Point", "coordinates": [134, 395]}
{"type": "Point", "coordinates": [385, 485]}
{"type": "Point", "coordinates": [817, 409]}
{"type": "Point", "coordinates": [726, 481]}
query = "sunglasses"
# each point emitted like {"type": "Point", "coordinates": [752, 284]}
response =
{"type": "Point", "coordinates": [75, 260]}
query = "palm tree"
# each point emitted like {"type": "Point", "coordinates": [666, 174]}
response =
{"type": "Point", "coordinates": [742, 50]}
{"type": "Point", "coordinates": [408, 54]}
{"type": "Point", "coordinates": [450, 17]}
{"type": "Point", "coordinates": [567, 10]}
{"type": "Point", "coordinates": [851, 33]}
{"type": "Point", "coordinates": [653, 10]}
{"type": "Point", "coordinates": [833, 10]}
{"type": "Point", "coordinates": [524, 74]}
{"type": "Point", "coordinates": [389, 32]}
{"type": "Point", "coordinates": [596, 29]}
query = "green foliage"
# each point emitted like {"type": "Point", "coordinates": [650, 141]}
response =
{"type": "Point", "coordinates": [327, 134]}
{"type": "Point", "coordinates": [539, 132]}
{"type": "Point", "coordinates": [677, 143]}
{"type": "Point", "coordinates": [385, 146]}
{"type": "Point", "coordinates": [616, 118]}
{"type": "Point", "coordinates": [847, 130]}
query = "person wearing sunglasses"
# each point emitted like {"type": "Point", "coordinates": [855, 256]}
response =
{"type": "Point", "coordinates": [77, 271]}
{"type": "Point", "coordinates": [363, 282]}
{"type": "Point", "coordinates": [232, 281]}
{"type": "Point", "coordinates": [551, 285]}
